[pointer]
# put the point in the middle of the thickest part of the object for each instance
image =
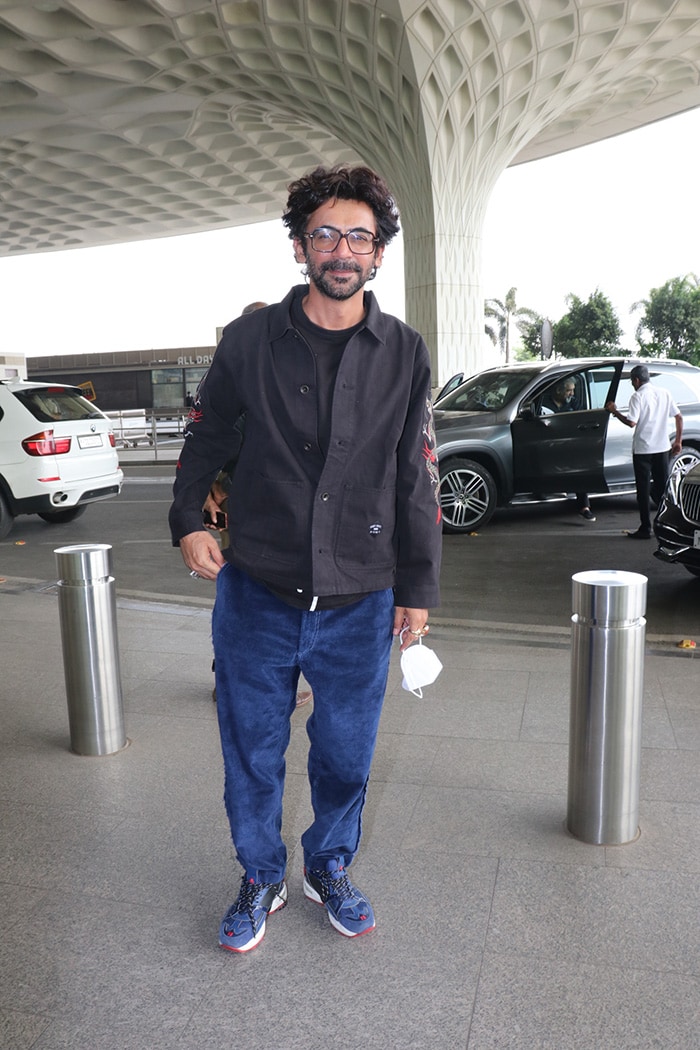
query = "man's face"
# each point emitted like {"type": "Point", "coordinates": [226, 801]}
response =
{"type": "Point", "coordinates": [339, 274]}
{"type": "Point", "coordinates": [565, 394]}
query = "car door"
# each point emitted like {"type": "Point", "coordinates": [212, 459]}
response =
{"type": "Point", "coordinates": [449, 386]}
{"type": "Point", "coordinates": [564, 451]}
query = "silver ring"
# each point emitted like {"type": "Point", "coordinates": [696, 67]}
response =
{"type": "Point", "coordinates": [195, 575]}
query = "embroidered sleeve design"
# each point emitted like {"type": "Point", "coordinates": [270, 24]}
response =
{"type": "Point", "coordinates": [430, 455]}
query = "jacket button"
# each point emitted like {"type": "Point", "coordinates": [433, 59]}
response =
{"type": "Point", "coordinates": [307, 446]}
{"type": "Point", "coordinates": [303, 389]}
{"type": "Point", "coordinates": [325, 497]}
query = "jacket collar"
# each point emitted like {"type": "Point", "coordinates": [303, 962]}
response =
{"type": "Point", "coordinates": [282, 317]}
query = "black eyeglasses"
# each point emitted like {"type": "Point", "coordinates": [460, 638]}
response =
{"type": "Point", "coordinates": [327, 239]}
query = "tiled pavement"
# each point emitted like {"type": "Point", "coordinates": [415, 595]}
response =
{"type": "Point", "coordinates": [496, 929]}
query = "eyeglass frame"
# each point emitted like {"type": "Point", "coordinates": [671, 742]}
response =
{"type": "Point", "coordinates": [341, 235]}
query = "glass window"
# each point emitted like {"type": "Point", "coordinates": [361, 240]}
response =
{"type": "Point", "coordinates": [168, 390]}
{"type": "Point", "coordinates": [488, 391]}
{"type": "Point", "coordinates": [194, 376]}
{"type": "Point", "coordinates": [679, 389]}
{"type": "Point", "coordinates": [57, 403]}
{"type": "Point", "coordinates": [599, 380]}
{"type": "Point", "coordinates": [581, 391]}
{"type": "Point", "coordinates": [165, 376]}
{"type": "Point", "coordinates": [567, 394]}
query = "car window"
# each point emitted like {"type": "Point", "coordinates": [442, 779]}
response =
{"type": "Point", "coordinates": [565, 394]}
{"type": "Point", "coordinates": [450, 385]}
{"type": "Point", "coordinates": [578, 392]}
{"type": "Point", "coordinates": [56, 404]}
{"type": "Point", "coordinates": [487, 391]}
{"type": "Point", "coordinates": [599, 380]}
{"type": "Point", "coordinates": [680, 390]}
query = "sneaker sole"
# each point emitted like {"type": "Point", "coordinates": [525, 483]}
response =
{"type": "Point", "coordinates": [312, 895]}
{"type": "Point", "coordinates": [278, 903]}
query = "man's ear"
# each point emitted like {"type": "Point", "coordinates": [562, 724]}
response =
{"type": "Point", "coordinates": [299, 253]}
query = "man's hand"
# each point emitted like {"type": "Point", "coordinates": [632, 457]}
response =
{"type": "Point", "coordinates": [611, 407]}
{"type": "Point", "coordinates": [212, 505]}
{"type": "Point", "coordinates": [202, 554]}
{"type": "Point", "coordinates": [677, 446]}
{"type": "Point", "coordinates": [414, 623]}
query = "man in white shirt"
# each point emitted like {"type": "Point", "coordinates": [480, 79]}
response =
{"type": "Point", "coordinates": [649, 410]}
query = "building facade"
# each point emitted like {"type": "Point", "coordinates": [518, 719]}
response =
{"type": "Point", "coordinates": [161, 381]}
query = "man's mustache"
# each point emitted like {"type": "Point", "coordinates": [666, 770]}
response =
{"type": "Point", "coordinates": [341, 266]}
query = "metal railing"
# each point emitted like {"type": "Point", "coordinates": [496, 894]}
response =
{"type": "Point", "coordinates": [135, 428]}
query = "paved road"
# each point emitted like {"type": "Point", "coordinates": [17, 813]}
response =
{"type": "Point", "coordinates": [516, 571]}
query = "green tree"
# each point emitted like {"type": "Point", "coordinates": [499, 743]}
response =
{"type": "Point", "coordinates": [670, 323]}
{"type": "Point", "coordinates": [589, 329]}
{"type": "Point", "coordinates": [501, 314]}
{"type": "Point", "coordinates": [531, 335]}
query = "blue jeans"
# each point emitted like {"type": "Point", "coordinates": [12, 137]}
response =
{"type": "Point", "coordinates": [260, 647]}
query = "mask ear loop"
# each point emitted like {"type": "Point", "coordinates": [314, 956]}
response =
{"type": "Point", "coordinates": [419, 691]}
{"type": "Point", "coordinates": [402, 633]}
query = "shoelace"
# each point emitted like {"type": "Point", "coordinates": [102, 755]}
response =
{"type": "Point", "coordinates": [337, 885]}
{"type": "Point", "coordinates": [246, 898]}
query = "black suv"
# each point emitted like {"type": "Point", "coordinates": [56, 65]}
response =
{"type": "Point", "coordinates": [498, 444]}
{"type": "Point", "coordinates": [677, 524]}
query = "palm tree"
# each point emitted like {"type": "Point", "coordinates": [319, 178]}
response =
{"type": "Point", "coordinates": [502, 315]}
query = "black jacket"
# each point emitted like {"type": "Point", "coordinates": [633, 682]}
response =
{"type": "Point", "coordinates": [364, 517]}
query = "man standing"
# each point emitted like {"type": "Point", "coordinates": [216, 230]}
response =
{"type": "Point", "coordinates": [335, 540]}
{"type": "Point", "coordinates": [649, 410]}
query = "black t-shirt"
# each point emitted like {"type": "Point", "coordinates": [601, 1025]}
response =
{"type": "Point", "coordinates": [327, 346]}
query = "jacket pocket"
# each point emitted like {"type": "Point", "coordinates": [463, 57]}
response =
{"type": "Point", "coordinates": [366, 527]}
{"type": "Point", "coordinates": [268, 521]}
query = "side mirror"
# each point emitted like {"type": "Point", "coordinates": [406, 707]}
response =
{"type": "Point", "coordinates": [527, 411]}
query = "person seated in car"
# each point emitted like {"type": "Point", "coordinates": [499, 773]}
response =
{"type": "Point", "coordinates": [560, 398]}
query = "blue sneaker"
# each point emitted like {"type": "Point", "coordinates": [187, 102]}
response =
{"type": "Point", "coordinates": [243, 925]}
{"type": "Point", "coordinates": [348, 909]}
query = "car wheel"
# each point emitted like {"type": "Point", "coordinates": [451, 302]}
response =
{"type": "Point", "coordinates": [467, 495]}
{"type": "Point", "coordinates": [59, 517]}
{"type": "Point", "coordinates": [686, 458]}
{"type": "Point", "coordinates": [6, 518]}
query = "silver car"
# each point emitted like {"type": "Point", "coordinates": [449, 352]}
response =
{"type": "Point", "coordinates": [499, 445]}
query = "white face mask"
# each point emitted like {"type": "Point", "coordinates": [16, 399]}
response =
{"type": "Point", "coordinates": [420, 666]}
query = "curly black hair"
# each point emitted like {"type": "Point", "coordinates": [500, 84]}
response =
{"type": "Point", "coordinates": [340, 183]}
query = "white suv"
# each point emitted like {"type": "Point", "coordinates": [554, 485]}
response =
{"type": "Point", "coordinates": [57, 453]}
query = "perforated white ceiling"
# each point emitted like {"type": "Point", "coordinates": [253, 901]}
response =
{"type": "Point", "coordinates": [128, 119]}
{"type": "Point", "coordinates": [124, 119]}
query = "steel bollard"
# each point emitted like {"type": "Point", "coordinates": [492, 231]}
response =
{"type": "Point", "coordinates": [88, 613]}
{"type": "Point", "coordinates": [605, 726]}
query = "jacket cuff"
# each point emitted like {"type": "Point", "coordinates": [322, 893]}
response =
{"type": "Point", "coordinates": [184, 523]}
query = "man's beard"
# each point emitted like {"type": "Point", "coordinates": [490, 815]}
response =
{"type": "Point", "coordinates": [339, 292]}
